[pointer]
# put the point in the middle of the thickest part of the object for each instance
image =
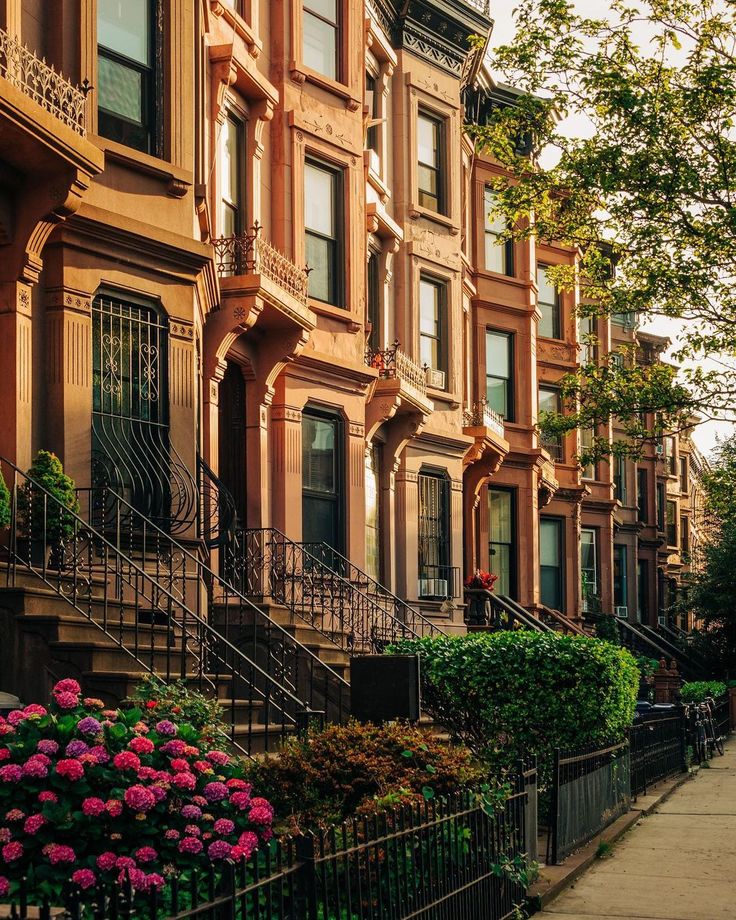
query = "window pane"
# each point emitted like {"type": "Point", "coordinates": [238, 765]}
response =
{"type": "Point", "coordinates": [427, 142]}
{"type": "Point", "coordinates": [119, 89]}
{"type": "Point", "coordinates": [549, 305]}
{"type": "Point", "coordinates": [549, 543]}
{"type": "Point", "coordinates": [500, 515]}
{"type": "Point", "coordinates": [497, 395]}
{"type": "Point", "coordinates": [230, 176]}
{"type": "Point", "coordinates": [319, 259]}
{"type": "Point", "coordinates": [429, 352]}
{"type": "Point", "coordinates": [587, 550]}
{"type": "Point", "coordinates": [124, 27]}
{"type": "Point", "coordinates": [549, 400]}
{"type": "Point", "coordinates": [495, 222]}
{"type": "Point", "coordinates": [320, 45]}
{"type": "Point", "coordinates": [319, 200]}
{"type": "Point", "coordinates": [325, 8]}
{"type": "Point", "coordinates": [497, 354]}
{"type": "Point", "coordinates": [319, 455]}
{"type": "Point", "coordinates": [495, 256]}
{"type": "Point", "coordinates": [429, 312]}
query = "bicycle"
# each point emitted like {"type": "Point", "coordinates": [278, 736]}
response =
{"type": "Point", "coordinates": [713, 739]}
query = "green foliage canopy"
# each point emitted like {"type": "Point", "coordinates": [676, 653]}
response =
{"type": "Point", "coordinates": [697, 690]}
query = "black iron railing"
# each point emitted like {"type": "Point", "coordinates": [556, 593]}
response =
{"type": "Point", "coordinates": [494, 612]}
{"type": "Point", "coordinates": [448, 858]}
{"type": "Point", "coordinates": [267, 564]}
{"type": "Point", "coordinates": [368, 585]}
{"type": "Point", "coordinates": [141, 596]}
{"type": "Point", "coordinates": [657, 743]}
{"type": "Point", "coordinates": [439, 582]}
{"type": "Point", "coordinates": [213, 598]}
{"type": "Point", "coordinates": [218, 514]}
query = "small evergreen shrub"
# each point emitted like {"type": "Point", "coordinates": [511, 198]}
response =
{"type": "Point", "coordinates": [176, 701]}
{"type": "Point", "coordinates": [42, 518]}
{"type": "Point", "coordinates": [696, 691]}
{"type": "Point", "coordinates": [510, 694]}
{"type": "Point", "coordinates": [359, 769]}
{"type": "Point", "coordinates": [4, 502]}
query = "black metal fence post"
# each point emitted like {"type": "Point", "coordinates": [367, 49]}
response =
{"type": "Point", "coordinates": [555, 809]}
{"type": "Point", "coordinates": [683, 736]}
{"type": "Point", "coordinates": [306, 878]}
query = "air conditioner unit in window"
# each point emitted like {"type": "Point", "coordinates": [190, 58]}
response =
{"type": "Point", "coordinates": [433, 587]}
{"type": "Point", "coordinates": [662, 620]}
{"type": "Point", "coordinates": [622, 612]}
{"type": "Point", "coordinates": [660, 450]}
{"type": "Point", "coordinates": [435, 379]}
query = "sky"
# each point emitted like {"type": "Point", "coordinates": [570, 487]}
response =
{"type": "Point", "coordinates": [707, 433]}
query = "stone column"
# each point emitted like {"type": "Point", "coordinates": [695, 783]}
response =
{"type": "Point", "coordinates": [182, 402]}
{"type": "Point", "coordinates": [16, 373]}
{"type": "Point", "coordinates": [258, 511]}
{"type": "Point", "coordinates": [407, 533]}
{"type": "Point", "coordinates": [69, 380]}
{"type": "Point", "coordinates": [355, 495]}
{"type": "Point", "coordinates": [286, 469]}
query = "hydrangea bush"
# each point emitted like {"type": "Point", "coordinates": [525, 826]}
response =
{"type": "Point", "coordinates": [94, 795]}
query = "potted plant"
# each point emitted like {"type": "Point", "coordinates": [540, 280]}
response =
{"type": "Point", "coordinates": [46, 520]}
{"type": "Point", "coordinates": [477, 588]}
{"type": "Point", "coordinates": [4, 502]}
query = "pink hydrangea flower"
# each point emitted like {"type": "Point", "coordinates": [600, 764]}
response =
{"type": "Point", "coordinates": [188, 845]}
{"type": "Point", "coordinates": [192, 830]}
{"type": "Point", "coordinates": [33, 824]}
{"type": "Point", "coordinates": [6, 729]}
{"type": "Point", "coordinates": [224, 826]}
{"type": "Point", "coordinates": [106, 861]}
{"type": "Point", "coordinates": [35, 711]}
{"type": "Point", "coordinates": [11, 773]}
{"type": "Point", "coordinates": [240, 800]}
{"type": "Point", "coordinates": [181, 781]}
{"type": "Point", "coordinates": [200, 800]}
{"type": "Point", "coordinates": [125, 862]}
{"type": "Point", "coordinates": [4, 754]}
{"type": "Point", "coordinates": [174, 748]}
{"type": "Point", "coordinates": [73, 770]}
{"type": "Point", "coordinates": [142, 745]}
{"type": "Point", "coordinates": [215, 792]}
{"type": "Point", "coordinates": [247, 843]}
{"type": "Point", "coordinates": [136, 877]}
{"type": "Point", "coordinates": [92, 807]}
{"type": "Point", "coordinates": [34, 768]}
{"type": "Point", "coordinates": [140, 728]}
{"type": "Point", "coordinates": [12, 851]}
{"type": "Point", "coordinates": [47, 746]}
{"type": "Point", "coordinates": [47, 796]}
{"type": "Point", "coordinates": [85, 878]}
{"type": "Point", "coordinates": [170, 834]}
{"type": "Point", "coordinates": [261, 814]}
{"type": "Point", "coordinates": [179, 765]}
{"type": "Point", "coordinates": [67, 700]}
{"type": "Point", "coordinates": [158, 793]}
{"type": "Point", "coordinates": [4, 887]}
{"type": "Point", "coordinates": [154, 880]}
{"type": "Point", "coordinates": [58, 853]}
{"type": "Point", "coordinates": [5, 834]}
{"type": "Point", "coordinates": [15, 717]}
{"type": "Point", "coordinates": [191, 812]}
{"type": "Point", "coordinates": [114, 808]}
{"type": "Point", "coordinates": [99, 753]}
{"type": "Point", "coordinates": [146, 854]}
{"type": "Point", "coordinates": [218, 757]}
{"type": "Point", "coordinates": [91, 702]}
{"type": "Point", "coordinates": [15, 814]}
{"type": "Point", "coordinates": [238, 784]}
{"type": "Point", "coordinates": [126, 760]}
{"type": "Point", "coordinates": [139, 799]}
{"type": "Point", "coordinates": [146, 773]}
{"type": "Point", "coordinates": [166, 727]}
{"type": "Point", "coordinates": [67, 685]}
{"type": "Point", "coordinates": [219, 849]}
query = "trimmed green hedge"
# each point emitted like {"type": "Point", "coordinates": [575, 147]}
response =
{"type": "Point", "coordinates": [508, 694]}
{"type": "Point", "coordinates": [697, 690]}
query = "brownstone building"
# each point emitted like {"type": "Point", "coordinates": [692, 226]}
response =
{"type": "Point", "coordinates": [251, 286]}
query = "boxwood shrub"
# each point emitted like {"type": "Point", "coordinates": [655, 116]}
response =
{"type": "Point", "coordinates": [510, 694]}
{"type": "Point", "coordinates": [696, 690]}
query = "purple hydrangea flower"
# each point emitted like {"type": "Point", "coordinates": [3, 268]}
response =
{"type": "Point", "coordinates": [215, 792]}
{"type": "Point", "coordinates": [76, 748]}
{"type": "Point", "coordinates": [191, 812]}
{"type": "Point", "coordinates": [89, 726]}
{"type": "Point", "coordinates": [165, 727]}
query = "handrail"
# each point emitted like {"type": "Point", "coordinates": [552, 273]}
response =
{"type": "Point", "coordinates": [266, 563]}
{"type": "Point", "coordinates": [690, 659]}
{"type": "Point", "coordinates": [85, 560]}
{"type": "Point", "coordinates": [401, 609]}
{"type": "Point", "coordinates": [218, 514]}
{"type": "Point", "coordinates": [644, 644]}
{"type": "Point", "coordinates": [522, 614]}
{"type": "Point", "coordinates": [307, 675]}
{"type": "Point", "coordinates": [562, 620]}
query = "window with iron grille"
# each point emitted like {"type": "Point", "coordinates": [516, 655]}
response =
{"type": "Point", "coordinates": [129, 88]}
{"type": "Point", "coordinates": [130, 405]}
{"type": "Point", "coordinates": [434, 535]}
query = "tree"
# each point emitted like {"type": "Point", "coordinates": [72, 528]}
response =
{"type": "Point", "coordinates": [648, 198]}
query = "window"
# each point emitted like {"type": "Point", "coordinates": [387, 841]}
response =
{"type": "Point", "coordinates": [236, 5]}
{"type": "Point", "coordinates": [322, 518]}
{"type": "Point", "coordinates": [373, 511]}
{"type": "Point", "coordinates": [321, 37]}
{"type": "Point", "coordinates": [499, 254]}
{"type": "Point", "coordinates": [432, 352]}
{"type": "Point", "coordinates": [684, 535]}
{"type": "Point", "coordinates": [588, 567]}
{"type": "Point", "coordinates": [620, 576]}
{"type": "Point", "coordinates": [434, 536]}
{"type": "Point", "coordinates": [430, 155]}
{"type": "Point", "coordinates": [669, 455]}
{"type": "Point", "coordinates": [619, 478]}
{"type": "Point", "coordinates": [549, 305]}
{"type": "Point", "coordinates": [642, 593]}
{"type": "Point", "coordinates": [671, 523]}
{"type": "Point", "coordinates": [660, 506]}
{"type": "Point", "coordinates": [127, 96]}
{"type": "Point", "coordinates": [625, 320]}
{"type": "Point", "coordinates": [499, 373]}
{"type": "Point", "coordinates": [502, 542]}
{"type": "Point", "coordinates": [230, 155]}
{"type": "Point", "coordinates": [549, 401]}
{"type": "Point", "coordinates": [373, 300]}
{"type": "Point", "coordinates": [550, 562]}
{"type": "Point", "coordinates": [322, 220]}
{"type": "Point", "coordinates": [587, 441]}
{"type": "Point", "coordinates": [586, 334]}
{"type": "Point", "coordinates": [371, 100]}
{"type": "Point", "coordinates": [642, 496]}
{"type": "Point", "coordinates": [683, 475]}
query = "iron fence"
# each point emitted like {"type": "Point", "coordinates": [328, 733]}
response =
{"type": "Point", "coordinates": [591, 787]}
{"type": "Point", "coordinates": [452, 859]}
{"type": "Point", "coordinates": [657, 749]}
{"type": "Point", "coordinates": [722, 715]}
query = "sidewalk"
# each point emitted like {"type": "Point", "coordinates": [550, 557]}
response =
{"type": "Point", "coordinates": [679, 863]}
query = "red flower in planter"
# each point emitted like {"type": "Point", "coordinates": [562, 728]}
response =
{"type": "Point", "coordinates": [481, 581]}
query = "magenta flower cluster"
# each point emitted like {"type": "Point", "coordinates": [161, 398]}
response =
{"type": "Point", "coordinates": [99, 795]}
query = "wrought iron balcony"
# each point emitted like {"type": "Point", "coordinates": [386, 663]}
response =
{"type": "Point", "coordinates": [36, 79]}
{"type": "Point", "coordinates": [393, 363]}
{"type": "Point", "coordinates": [481, 414]}
{"type": "Point", "coordinates": [483, 6]}
{"type": "Point", "coordinates": [249, 254]}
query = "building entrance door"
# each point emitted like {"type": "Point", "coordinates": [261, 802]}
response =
{"type": "Point", "coordinates": [231, 435]}
{"type": "Point", "coordinates": [322, 480]}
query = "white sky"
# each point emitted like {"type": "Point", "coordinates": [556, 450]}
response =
{"type": "Point", "coordinates": [502, 12]}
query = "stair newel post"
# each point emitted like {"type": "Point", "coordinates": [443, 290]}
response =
{"type": "Point", "coordinates": [183, 653]}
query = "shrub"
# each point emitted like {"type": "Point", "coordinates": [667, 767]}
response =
{"type": "Point", "coordinates": [4, 502]}
{"type": "Point", "coordinates": [41, 518]}
{"type": "Point", "coordinates": [97, 795]}
{"type": "Point", "coordinates": [178, 702]}
{"type": "Point", "coordinates": [356, 768]}
{"type": "Point", "coordinates": [508, 694]}
{"type": "Point", "coordinates": [697, 690]}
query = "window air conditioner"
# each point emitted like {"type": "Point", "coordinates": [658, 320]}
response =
{"type": "Point", "coordinates": [435, 379]}
{"type": "Point", "coordinates": [433, 587]}
{"type": "Point", "coordinates": [662, 620]}
{"type": "Point", "coordinates": [622, 612]}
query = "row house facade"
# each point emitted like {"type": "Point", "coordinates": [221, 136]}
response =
{"type": "Point", "coordinates": [247, 252]}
